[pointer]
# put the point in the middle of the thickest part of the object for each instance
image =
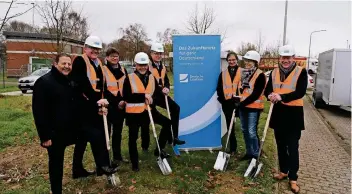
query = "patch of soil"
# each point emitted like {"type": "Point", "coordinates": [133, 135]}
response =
{"type": "Point", "coordinates": [21, 162]}
{"type": "Point", "coordinates": [225, 183]}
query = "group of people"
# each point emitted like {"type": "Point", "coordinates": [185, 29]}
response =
{"type": "Point", "coordinates": [69, 103]}
{"type": "Point", "coordinates": [243, 90]}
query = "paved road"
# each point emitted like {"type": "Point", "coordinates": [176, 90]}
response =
{"type": "Point", "coordinates": [17, 93]}
{"type": "Point", "coordinates": [324, 163]}
{"type": "Point", "coordinates": [339, 121]}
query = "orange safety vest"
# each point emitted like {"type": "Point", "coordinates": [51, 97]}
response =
{"type": "Point", "coordinates": [229, 87]}
{"type": "Point", "coordinates": [259, 103]}
{"type": "Point", "coordinates": [138, 87]}
{"type": "Point", "coordinates": [91, 74]}
{"type": "Point", "coordinates": [114, 85]}
{"type": "Point", "coordinates": [158, 77]}
{"type": "Point", "coordinates": [288, 86]}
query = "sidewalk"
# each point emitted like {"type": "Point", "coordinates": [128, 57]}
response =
{"type": "Point", "coordinates": [324, 164]}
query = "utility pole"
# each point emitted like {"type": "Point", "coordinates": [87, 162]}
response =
{"type": "Point", "coordinates": [33, 16]}
{"type": "Point", "coordinates": [285, 23]}
{"type": "Point", "coordinates": [310, 42]}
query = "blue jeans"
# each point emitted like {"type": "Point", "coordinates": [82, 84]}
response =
{"type": "Point", "coordinates": [249, 123]}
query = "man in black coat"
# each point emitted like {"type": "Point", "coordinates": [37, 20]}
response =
{"type": "Point", "coordinates": [286, 88]}
{"type": "Point", "coordinates": [87, 72]}
{"type": "Point", "coordinates": [55, 111]}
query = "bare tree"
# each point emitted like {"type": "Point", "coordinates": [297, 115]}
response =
{"type": "Point", "coordinates": [7, 18]}
{"type": "Point", "coordinates": [19, 26]}
{"type": "Point", "coordinates": [136, 36]}
{"type": "Point", "coordinates": [245, 47]}
{"type": "Point", "coordinates": [166, 36]}
{"type": "Point", "coordinates": [200, 22]}
{"type": "Point", "coordinates": [61, 20]}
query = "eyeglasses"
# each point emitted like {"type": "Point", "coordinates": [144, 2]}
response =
{"type": "Point", "coordinates": [155, 53]}
{"type": "Point", "coordinates": [114, 56]}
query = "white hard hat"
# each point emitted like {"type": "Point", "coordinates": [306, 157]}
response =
{"type": "Point", "coordinates": [141, 58]}
{"type": "Point", "coordinates": [157, 47]}
{"type": "Point", "coordinates": [252, 55]}
{"type": "Point", "coordinates": [287, 50]}
{"type": "Point", "coordinates": [94, 41]}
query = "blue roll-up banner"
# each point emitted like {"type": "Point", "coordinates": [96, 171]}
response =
{"type": "Point", "coordinates": [196, 60]}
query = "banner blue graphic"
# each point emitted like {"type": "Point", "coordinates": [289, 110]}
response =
{"type": "Point", "coordinates": [196, 60]}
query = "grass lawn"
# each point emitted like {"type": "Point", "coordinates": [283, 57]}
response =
{"type": "Point", "coordinates": [9, 88]}
{"type": "Point", "coordinates": [24, 163]}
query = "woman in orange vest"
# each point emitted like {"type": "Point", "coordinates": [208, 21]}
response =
{"type": "Point", "coordinates": [286, 88]}
{"type": "Point", "coordinates": [139, 92]}
{"type": "Point", "coordinates": [226, 90]}
{"type": "Point", "coordinates": [251, 89]}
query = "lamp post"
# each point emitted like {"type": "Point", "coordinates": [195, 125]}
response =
{"type": "Point", "coordinates": [285, 23]}
{"type": "Point", "coordinates": [310, 42]}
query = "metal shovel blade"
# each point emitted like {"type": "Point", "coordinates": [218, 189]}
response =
{"type": "Point", "coordinates": [258, 170]}
{"type": "Point", "coordinates": [222, 161]}
{"type": "Point", "coordinates": [164, 166]}
{"type": "Point", "coordinates": [113, 180]}
{"type": "Point", "coordinates": [250, 167]}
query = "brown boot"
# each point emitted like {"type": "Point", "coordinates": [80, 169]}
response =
{"type": "Point", "coordinates": [280, 176]}
{"type": "Point", "coordinates": [294, 186]}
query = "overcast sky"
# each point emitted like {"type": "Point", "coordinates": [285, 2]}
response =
{"type": "Point", "coordinates": [242, 19]}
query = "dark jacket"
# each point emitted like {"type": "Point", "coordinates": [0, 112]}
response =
{"type": "Point", "coordinates": [89, 105]}
{"type": "Point", "coordinates": [166, 79]}
{"type": "Point", "coordinates": [129, 97]}
{"type": "Point", "coordinates": [114, 110]}
{"type": "Point", "coordinates": [288, 117]}
{"type": "Point", "coordinates": [55, 108]}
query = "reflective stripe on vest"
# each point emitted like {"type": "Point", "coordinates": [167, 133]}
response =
{"type": "Point", "coordinates": [138, 87]}
{"type": "Point", "coordinates": [259, 103]}
{"type": "Point", "coordinates": [229, 87]}
{"type": "Point", "coordinates": [114, 85]}
{"type": "Point", "coordinates": [91, 74]}
{"type": "Point", "coordinates": [288, 86]}
{"type": "Point", "coordinates": [155, 73]}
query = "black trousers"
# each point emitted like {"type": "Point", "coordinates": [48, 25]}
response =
{"type": "Point", "coordinates": [56, 166]}
{"type": "Point", "coordinates": [116, 123]}
{"type": "Point", "coordinates": [142, 121]}
{"type": "Point", "coordinates": [228, 114]}
{"type": "Point", "coordinates": [287, 146]}
{"type": "Point", "coordinates": [174, 112]}
{"type": "Point", "coordinates": [96, 137]}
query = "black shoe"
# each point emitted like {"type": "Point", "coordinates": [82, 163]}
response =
{"type": "Point", "coordinates": [246, 157]}
{"type": "Point", "coordinates": [163, 154]}
{"type": "Point", "coordinates": [82, 173]}
{"type": "Point", "coordinates": [135, 168]}
{"type": "Point", "coordinates": [115, 163]}
{"type": "Point", "coordinates": [106, 170]}
{"type": "Point", "coordinates": [178, 141]}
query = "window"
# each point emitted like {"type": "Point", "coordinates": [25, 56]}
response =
{"type": "Point", "coordinates": [67, 49]}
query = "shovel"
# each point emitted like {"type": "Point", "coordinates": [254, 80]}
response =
{"type": "Point", "coordinates": [111, 178]}
{"type": "Point", "coordinates": [174, 147]}
{"type": "Point", "coordinates": [223, 158]}
{"type": "Point", "coordinates": [255, 167]}
{"type": "Point", "coordinates": [162, 162]}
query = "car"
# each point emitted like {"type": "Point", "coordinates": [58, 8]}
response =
{"type": "Point", "coordinates": [310, 80]}
{"type": "Point", "coordinates": [27, 83]}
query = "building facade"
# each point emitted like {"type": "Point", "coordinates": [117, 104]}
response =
{"type": "Point", "coordinates": [26, 52]}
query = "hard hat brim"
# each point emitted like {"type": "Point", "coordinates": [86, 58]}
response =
{"type": "Point", "coordinates": [287, 55]}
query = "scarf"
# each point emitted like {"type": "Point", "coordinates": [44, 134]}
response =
{"type": "Point", "coordinates": [246, 75]}
{"type": "Point", "coordinates": [284, 72]}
